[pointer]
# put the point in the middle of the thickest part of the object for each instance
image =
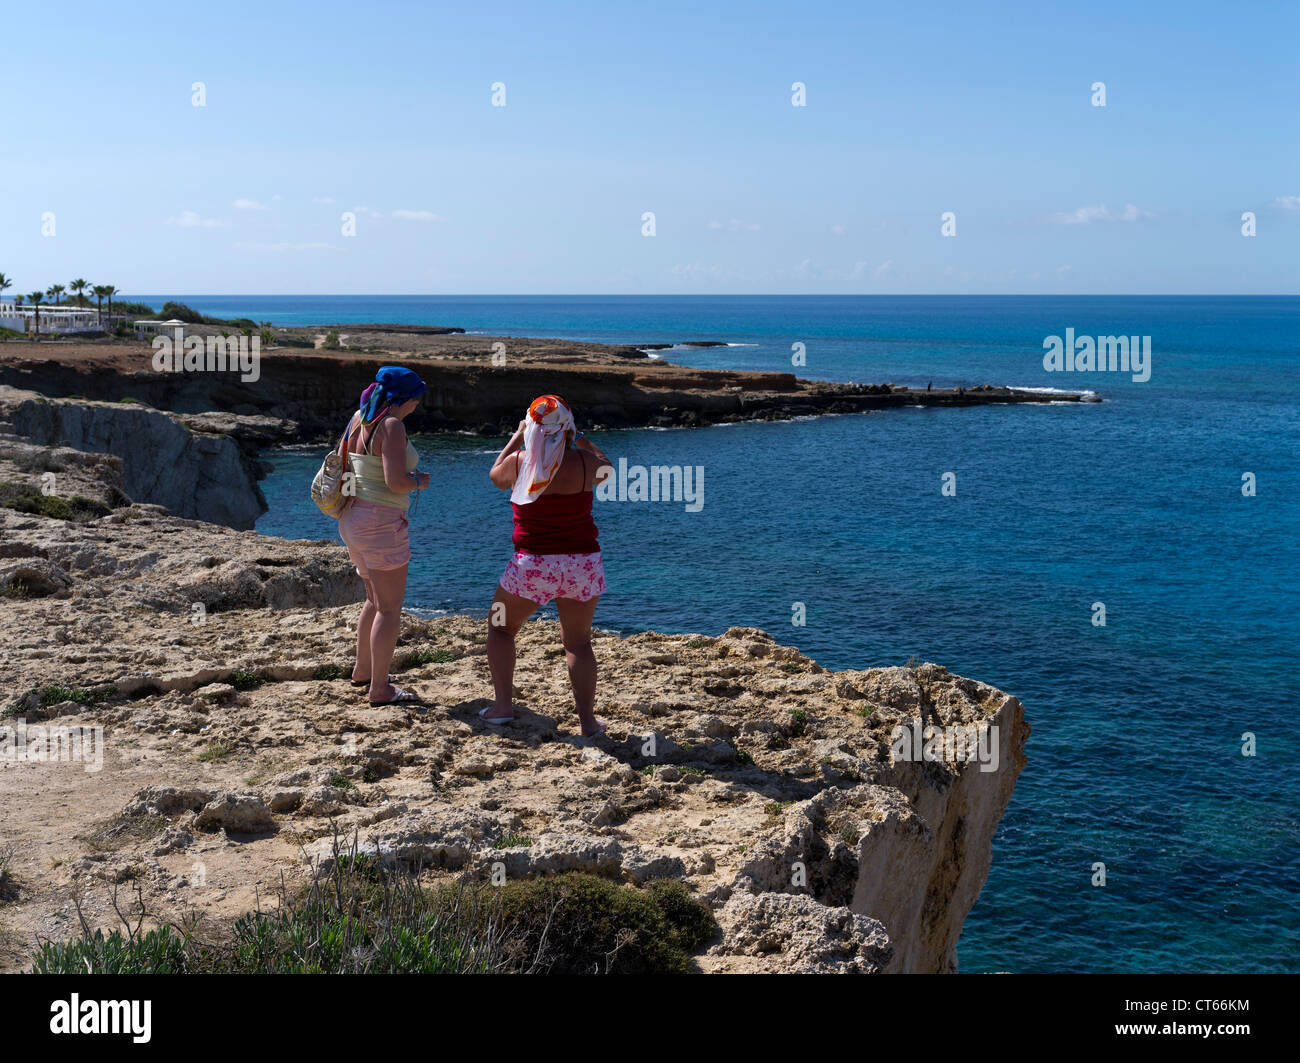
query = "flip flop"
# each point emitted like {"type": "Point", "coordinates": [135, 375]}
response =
{"type": "Point", "coordinates": [401, 697]}
{"type": "Point", "coordinates": [498, 721]}
{"type": "Point", "coordinates": [597, 732]}
{"type": "Point", "coordinates": [366, 682]}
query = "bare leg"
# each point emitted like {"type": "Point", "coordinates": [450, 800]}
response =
{"type": "Point", "coordinates": [390, 588]}
{"type": "Point", "coordinates": [575, 624]}
{"type": "Point", "coordinates": [367, 618]}
{"type": "Point", "coordinates": [505, 618]}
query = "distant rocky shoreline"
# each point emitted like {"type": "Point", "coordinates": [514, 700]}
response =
{"type": "Point", "coordinates": [476, 383]}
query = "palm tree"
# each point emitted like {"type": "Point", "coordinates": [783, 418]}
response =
{"type": "Point", "coordinates": [99, 291]}
{"type": "Point", "coordinates": [77, 288]}
{"type": "Point", "coordinates": [5, 282]}
{"type": "Point", "coordinates": [36, 299]}
{"type": "Point", "coordinates": [55, 291]}
{"type": "Point", "coordinates": [109, 292]}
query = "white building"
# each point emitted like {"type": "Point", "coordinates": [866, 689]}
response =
{"type": "Point", "coordinates": [145, 328]}
{"type": "Point", "coordinates": [60, 319]}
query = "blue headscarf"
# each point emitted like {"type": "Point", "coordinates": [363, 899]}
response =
{"type": "Point", "coordinates": [393, 385]}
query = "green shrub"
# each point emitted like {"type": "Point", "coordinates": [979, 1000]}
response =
{"type": "Point", "coordinates": [415, 658]}
{"type": "Point", "coordinates": [53, 695]}
{"type": "Point", "coordinates": [181, 312]}
{"type": "Point", "coordinates": [692, 920]}
{"type": "Point", "coordinates": [357, 919]}
{"type": "Point", "coordinates": [245, 680]}
{"type": "Point", "coordinates": [575, 923]}
{"type": "Point", "coordinates": [216, 751]}
{"type": "Point", "coordinates": [319, 939]}
{"type": "Point", "coordinates": [159, 951]}
{"type": "Point", "coordinates": [8, 886]}
{"type": "Point", "coordinates": [27, 499]}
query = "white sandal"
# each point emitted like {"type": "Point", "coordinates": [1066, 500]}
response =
{"type": "Point", "coordinates": [499, 721]}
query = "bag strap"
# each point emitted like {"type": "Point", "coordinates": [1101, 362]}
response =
{"type": "Point", "coordinates": [342, 448]}
{"type": "Point", "coordinates": [373, 429]}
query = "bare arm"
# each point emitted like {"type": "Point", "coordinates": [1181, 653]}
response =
{"type": "Point", "coordinates": [506, 466]}
{"type": "Point", "coordinates": [603, 465]}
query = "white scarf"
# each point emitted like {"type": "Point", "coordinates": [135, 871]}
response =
{"type": "Point", "coordinates": [546, 437]}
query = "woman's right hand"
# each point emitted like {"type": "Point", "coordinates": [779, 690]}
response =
{"type": "Point", "coordinates": [422, 480]}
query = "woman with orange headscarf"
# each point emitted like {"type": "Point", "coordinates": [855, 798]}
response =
{"type": "Point", "coordinates": [550, 470]}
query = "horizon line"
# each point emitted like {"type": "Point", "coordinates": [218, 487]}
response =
{"type": "Point", "coordinates": [731, 295]}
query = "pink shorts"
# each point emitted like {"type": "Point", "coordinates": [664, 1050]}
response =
{"type": "Point", "coordinates": [377, 537]}
{"type": "Point", "coordinates": [542, 577]}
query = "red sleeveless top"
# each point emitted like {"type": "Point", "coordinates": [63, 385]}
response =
{"type": "Point", "coordinates": [556, 524]}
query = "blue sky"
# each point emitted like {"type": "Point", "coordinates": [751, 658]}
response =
{"type": "Point", "coordinates": [683, 109]}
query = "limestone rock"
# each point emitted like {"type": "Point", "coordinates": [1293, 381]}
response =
{"type": "Point", "coordinates": [796, 935]}
{"type": "Point", "coordinates": [235, 813]}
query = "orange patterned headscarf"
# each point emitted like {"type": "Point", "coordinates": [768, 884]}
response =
{"type": "Point", "coordinates": [547, 435]}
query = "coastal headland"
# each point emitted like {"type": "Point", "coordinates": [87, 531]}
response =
{"type": "Point", "coordinates": [476, 383]}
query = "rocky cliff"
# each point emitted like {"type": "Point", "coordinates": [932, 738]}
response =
{"type": "Point", "coordinates": [215, 662]}
{"type": "Point", "coordinates": [202, 465]}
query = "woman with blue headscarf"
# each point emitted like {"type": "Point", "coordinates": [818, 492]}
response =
{"type": "Point", "coordinates": [381, 463]}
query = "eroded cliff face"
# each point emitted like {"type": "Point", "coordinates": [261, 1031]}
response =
{"type": "Point", "coordinates": [201, 466]}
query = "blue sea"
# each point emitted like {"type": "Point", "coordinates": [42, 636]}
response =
{"type": "Point", "coordinates": [1136, 760]}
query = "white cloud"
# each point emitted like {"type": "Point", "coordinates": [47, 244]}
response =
{"type": "Point", "coordinates": [249, 204]}
{"type": "Point", "coordinates": [838, 230]}
{"type": "Point", "coordinates": [735, 225]}
{"type": "Point", "coordinates": [188, 219]}
{"type": "Point", "coordinates": [1287, 202]}
{"type": "Point", "coordinates": [1064, 269]}
{"type": "Point", "coordinates": [289, 248]}
{"type": "Point", "coordinates": [322, 199]}
{"type": "Point", "coordinates": [696, 271]}
{"type": "Point", "coordinates": [1099, 213]}
{"type": "Point", "coordinates": [885, 269]}
{"type": "Point", "coordinates": [397, 215]}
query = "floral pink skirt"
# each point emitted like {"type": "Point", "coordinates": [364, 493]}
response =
{"type": "Point", "coordinates": [543, 577]}
{"type": "Point", "coordinates": [377, 536]}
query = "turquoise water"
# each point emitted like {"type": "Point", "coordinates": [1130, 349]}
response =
{"type": "Point", "coordinates": [1135, 759]}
